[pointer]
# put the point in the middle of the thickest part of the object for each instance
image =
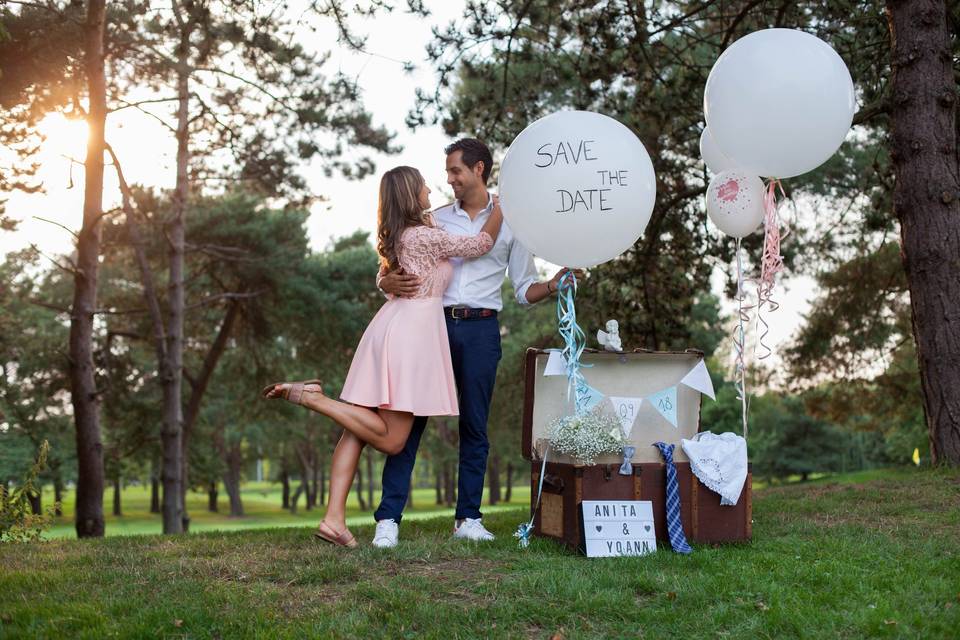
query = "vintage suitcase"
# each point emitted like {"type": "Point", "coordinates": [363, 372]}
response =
{"type": "Point", "coordinates": [567, 483]}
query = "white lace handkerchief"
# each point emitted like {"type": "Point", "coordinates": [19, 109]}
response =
{"type": "Point", "coordinates": [719, 462]}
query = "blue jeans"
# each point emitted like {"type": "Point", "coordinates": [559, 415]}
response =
{"type": "Point", "coordinates": [475, 351]}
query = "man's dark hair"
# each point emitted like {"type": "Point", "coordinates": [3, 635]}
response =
{"type": "Point", "coordinates": [474, 151]}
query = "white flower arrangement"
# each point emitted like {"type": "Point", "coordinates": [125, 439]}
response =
{"type": "Point", "coordinates": [586, 436]}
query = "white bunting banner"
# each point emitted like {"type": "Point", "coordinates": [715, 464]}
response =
{"type": "Point", "coordinates": [666, 403]}
{"type": "Point", "coordinates": [626, 409]}
{"type": "Point", "coordinates": [556, 365]}
{"type": "Point", "coordinates": [699, 379]}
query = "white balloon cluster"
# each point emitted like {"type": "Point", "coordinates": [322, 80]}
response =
{"type": "Point", "coordinates": [778, 103]}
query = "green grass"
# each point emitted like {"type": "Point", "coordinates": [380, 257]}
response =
{"type": "Point", "coordinates": [834, 558]}
{"type": "Point", "coordinates": [261, 503]}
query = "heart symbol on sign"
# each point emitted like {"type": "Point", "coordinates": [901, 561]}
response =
{"type": "Point", "coordinates": [647, 527]}
{"type": "Point", "coordinates": [599, 527]}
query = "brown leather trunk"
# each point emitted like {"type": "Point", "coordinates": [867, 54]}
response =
{"type": "Point", "coordinates": [566, 485]}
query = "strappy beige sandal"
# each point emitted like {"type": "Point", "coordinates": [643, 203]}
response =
{"type": "Point", "coordinates": [326, 533]}
{"type": "Point", "coordinates": [294, 393]}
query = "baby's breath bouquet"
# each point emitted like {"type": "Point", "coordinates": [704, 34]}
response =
{"type": "Point", "coordinates": [586, 436]}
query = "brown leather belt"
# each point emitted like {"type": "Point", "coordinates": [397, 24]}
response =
{"type": "Point", "coordinates": [468, 313]}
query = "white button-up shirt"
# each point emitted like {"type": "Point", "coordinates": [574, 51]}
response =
{"type": "Point", "coordinates": [476, 282]}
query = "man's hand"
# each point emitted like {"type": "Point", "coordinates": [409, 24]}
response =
{"type": "Point", "coordinates": [400, 284]}
{"type": "Point", "coordinates": [554, 282]}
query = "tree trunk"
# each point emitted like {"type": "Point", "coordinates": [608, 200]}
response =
{"type": "Point", "coordinates": [306, 453]}
{"type": "Point", "coordinates": [926, 201]}
{"type": "Point", "coordinates": [493, 476]}
{"type": "Point", "coordinates": [322, 480]}
{"type": "Point", "coordinates": [438, 482]}
{"type": "Point", "coordinates": [198, 387]}
{"type": "Point", "coordinates": [58, 496]}
{"type": "Point", "coordinates": [370, 476]}
{"type": "Point", "coordinates": [359, 486]}
{"type": "Point", "coordinates": [315, 479]}
{"type": "Point", "coordinates": [117, 487]}
{"type": "Point", "coordinates": [509, 494]}
{"type": "Point", "coordinates": [231, 479]}
{"type": "Point", "coordinates": [154, 491]}
{"type": "Point", "coordinates": [449, 483]}
{"type": "Point", "coordinates": [173, 492]}
{"type": "Point", "coordinates": [296, 497]}
{"type": "Point", "coordinates": [212, 496]}
{"type": "Point", "coordinates": [36, 503]}
{"type": "Point", "coordinates": [285, 492]}
{"type": "Point", "coordinates": [83, 389]}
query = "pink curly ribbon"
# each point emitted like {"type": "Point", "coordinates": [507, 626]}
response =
{"type": "Point", "coordinates": [772, 262]}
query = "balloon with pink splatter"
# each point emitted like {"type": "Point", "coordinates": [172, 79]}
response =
{"type": "Point", "coordinates": [735, 202]}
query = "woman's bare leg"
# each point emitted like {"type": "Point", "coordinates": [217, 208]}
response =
{"type": "Point", "coordinates": [344, 464]}
{"type": "Point", "coordinates": [342, 469]}
{"type": "Point", "coordinates": [368, 425]}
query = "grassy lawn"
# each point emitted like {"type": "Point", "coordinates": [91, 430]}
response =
{"type": "Point", "coordinates": [866, 556]}
{"type": "Point", "coordinates": [261, 503]}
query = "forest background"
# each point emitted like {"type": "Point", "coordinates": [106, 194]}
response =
{"type": "Point", "coordinates": [138, 354]}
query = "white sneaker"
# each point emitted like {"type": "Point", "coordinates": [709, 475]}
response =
{"type": "Point", "coordinates": [386, 534]}
{"type": "Point", "coordinates": [472, 529]}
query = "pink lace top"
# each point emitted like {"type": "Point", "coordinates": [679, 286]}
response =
{"type": "Point", "coordinates": [423, 251]}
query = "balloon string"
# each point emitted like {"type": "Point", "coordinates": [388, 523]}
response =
{"type": "Point", "coordinates": [574, 340]}
{"type": "Point", "coordinates": [771, 263]}
{"type": "Point", "coordinates": [740, 378]}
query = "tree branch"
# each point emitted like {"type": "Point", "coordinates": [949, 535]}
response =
{"type": "Point", "coordinates": [225, 296]}
{"type": "Point", "coordinates": [57, 224]}
{"type": "Point", "coordinates": [146, 275]}
{"type": "Point", "coordinates": [127, 105]}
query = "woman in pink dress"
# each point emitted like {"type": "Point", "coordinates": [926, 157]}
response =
{"type": "Point", "coordinates": [401, 367]}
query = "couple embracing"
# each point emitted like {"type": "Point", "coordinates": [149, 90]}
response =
{"type": "Point", "coordinates": [433, 348]}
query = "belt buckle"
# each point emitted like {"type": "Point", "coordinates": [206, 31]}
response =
{"type": "Point", "coordinates": [453, 313]}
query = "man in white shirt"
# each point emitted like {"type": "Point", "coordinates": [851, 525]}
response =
{"type": "Point", "coordinates": [470, 302]}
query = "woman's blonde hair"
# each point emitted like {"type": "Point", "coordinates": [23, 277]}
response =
{"type": "Point", "coordinates": [399, 208]}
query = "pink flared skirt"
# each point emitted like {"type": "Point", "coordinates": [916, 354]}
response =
{"type": "Point", "coordinates": [403, 361]}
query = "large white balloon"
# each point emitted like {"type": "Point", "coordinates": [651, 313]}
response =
{"type": "Point", "coordinates": [735, 202]}
{"type": "Point", "coordinates": [779, 102]}
{"type": "Point", "coordinates": [715, 159]}
{"type": "Point", "coordinates": [577, 188]}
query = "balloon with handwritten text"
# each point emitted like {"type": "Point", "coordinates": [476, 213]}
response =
{"type": "Point", "coordinates": [577, 188]}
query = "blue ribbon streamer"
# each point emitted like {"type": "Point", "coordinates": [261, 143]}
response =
{"type": "Point", "coordinates": [525, 530]}
{"type": "Point", "coordinates": [574, 340]}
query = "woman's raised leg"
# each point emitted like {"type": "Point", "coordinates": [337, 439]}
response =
{"type": "Point", "coordinates": [372, 427]}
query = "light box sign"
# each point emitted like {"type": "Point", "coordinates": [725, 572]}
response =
{"type": "Point", "coordinates": [618, 528]}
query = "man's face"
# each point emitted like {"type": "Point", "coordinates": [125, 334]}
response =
{"type": "Point", "coordinates": [462, 178]}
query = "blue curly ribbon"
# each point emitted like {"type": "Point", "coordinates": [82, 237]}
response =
{"type": "Point", "coordinates": [574, 340]}
{"type": "Point", "coordinates": [525, 530]}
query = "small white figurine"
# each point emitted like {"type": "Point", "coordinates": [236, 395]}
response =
{"type": "Point", "coordinates": [610, 339]}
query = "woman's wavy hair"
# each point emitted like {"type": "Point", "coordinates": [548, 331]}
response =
{"type": "Point", "coordinates": [399, 208]}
